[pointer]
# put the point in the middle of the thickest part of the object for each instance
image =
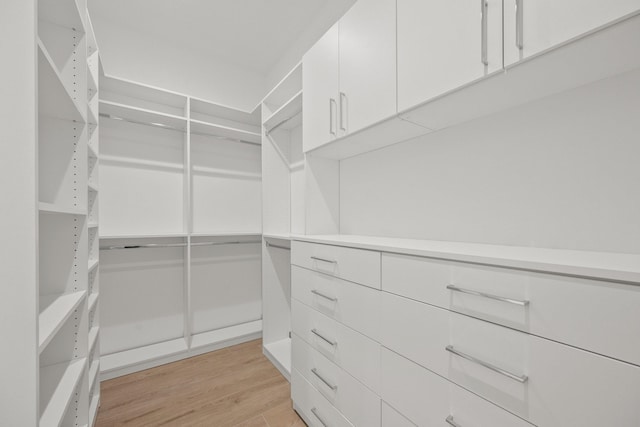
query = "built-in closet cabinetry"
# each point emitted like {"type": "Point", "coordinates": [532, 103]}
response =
{"type": "Point", "coordinates": [181, 226]}
{"type": "Point", "coordinates": [455, 62]}
{"type": "Point", "coordinates": [50, 280]}
{"type": "Point", "coordinates": [443, 45]}
{"type": "Point", "coordinates": [391, 332]}
{"type": "Point", "coordinates": [351, 78]}
{"type": "Point", "coordinates": [283, 211]}
{"type": "Point", "coordinates": [531, 27]}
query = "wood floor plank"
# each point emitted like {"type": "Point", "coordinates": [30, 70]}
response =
{"type": "Point", "coordinates": [232, 387]}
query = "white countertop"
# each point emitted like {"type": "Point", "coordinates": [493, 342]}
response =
{"type": "Point", "coordinates": [598, 265]}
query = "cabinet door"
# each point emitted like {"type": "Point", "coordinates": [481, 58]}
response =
{"type": "Point", "coordinates": [542, 24]}
{"type": "Point", "coordinates": [320, 87]}
{"type": "Point", "coordinates": [367, 65]}
{"type": "Point", "coordinates": [441, 45]}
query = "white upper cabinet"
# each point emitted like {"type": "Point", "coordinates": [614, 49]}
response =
{"type": "Point", "coordinates": [444, 44]}
{"type": "Point", "coordinates": [367, 65]}
{"type": "Point", "coordinates": [320, 88]}
{"type": "Point", "coordinates": [349, 77]}
{"type": "Point", "coordinates": [532, 26]}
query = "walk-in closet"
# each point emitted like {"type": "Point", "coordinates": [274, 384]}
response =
{"type": "Point", "coordinates": [327, 213]}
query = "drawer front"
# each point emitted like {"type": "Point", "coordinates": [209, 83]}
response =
{"type": "Point", "coordinates": [316, 410]}
{"type": "Point", "coordinates": [355, 306]}
{"type": "Point", "coordinates": [429, 400]}
{"type": "Point", "coordinates": [352, 351]}
{"type": "Point", "coordinates": [355, 265]}
{"type": "Point", "coordinates": [593, 315]}
{"type": "Point", "coordinates": [393, 418]}
{"type": "Point", "coordinates": [355, 401]}
{"type": "Point", "coordinates": [563, 385]}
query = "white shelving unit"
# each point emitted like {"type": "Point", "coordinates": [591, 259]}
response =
{"type": "Point", "coordinates": [180, 209]}
{"type": "Point", "coordinates": [63, 208]}
{"type": "Point", "coordinates": [283, 211]}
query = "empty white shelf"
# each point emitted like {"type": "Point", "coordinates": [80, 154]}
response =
{"type": "Point", "coordinates": [277, 236]}
{"type": "Point", "coordinates": [54, 97]}
{"type": "Point", "coordinates": [229, 234]}
{"type": "Point", "coordinates": [279, 353]}
{"type": "Point", "coordinates": [143, 116]}
{"type": "Point", "coordinates": [93, 337]}
{"type": "Point", "coordinates": [57, 209]}
{"type": "Point", "coordinates": [58, 383]}
{"type": "Point", "coordinates": [94, 370]}
{"type": "Point", "coordinates": [123, 359]}
{"type": "Point", "coordinates": [288, 116]}
{"type": "Point", "coordinates": [92, 187]}
{"type": "Point", "coordinates": [92, 151]}
{"type": "Point", "coordinates": [93, 408]}
{"type": "Point", "coordinates": [93, 299]}
{"type": "Point", "coordinates": [221, 337]}
{"type": "Point", "coordinates": [142, 236]}
{"type": "Point", "coordinates": [225, 132]}
{"type": "Point", "coordinates": [93, 263]}
{"type": "Point", "coordinates": [54, 312]}
{"type": "Point", "coordinates": [93, 225]}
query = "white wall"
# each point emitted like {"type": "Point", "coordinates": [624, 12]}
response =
{"type": "Point", "coordinates": [133, 56]}
{"type": "Point", "coordinates": [325, 18]}
{"type": "Point", "coordinates": [563, 172]}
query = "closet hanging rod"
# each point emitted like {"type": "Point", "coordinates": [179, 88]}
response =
{"type": "Point", "coordinates": [225, 243]}
{"type": "Point", "coordinates": [175, 245]}
{"type": "Point", "coordinates": [271, 245]}
{"type": "Point", "coordinates": [283, 122]}
{"type": "Point", "coordinates": [137, 122]}
{"type": "Point", "coordinates": [242, 141]}
{"type": "Point", "coordinates": [149, 245]}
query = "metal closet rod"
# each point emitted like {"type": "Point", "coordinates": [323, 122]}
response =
{"type": "Point", "coordinates": [173, 128]}
{"type": "Point", "coordinates": [283, 122]}
{"type": "Point", "coordinates": [271, 245]}
{"type": "Point", "coordinates": [176, 245]}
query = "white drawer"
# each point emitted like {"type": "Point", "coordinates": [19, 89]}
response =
{"type": "Point", "coordinates": [565, 385]}
{"type": "Point", "coordinates": [598, 316]}
{"type": "Point", "coordinates": [316, 410]}
{"type": "Point", "coordinates": [355, 401]}
{"type": "Point", "coordinates": [353, 305]}
{"type": "Point", "coordinates": [429, 400]}
{"type": "Point", "coordinates": [352, 351]}
{"type": "Point", "coordinates": [355, 265]}
{"type": "Point", "coordinates": [392, 418]}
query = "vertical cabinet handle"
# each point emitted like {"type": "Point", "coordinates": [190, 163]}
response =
{"type": "Point", "coordinates": [484, 8]}
{"type": "Point", "coordinates": [519, 24]}
{"type": "Point", "coordinates": [343, 111]}
{"type": "Point", "coordinates": [314, 411]}
{"type": "Point", "coordinates": [332, 105]}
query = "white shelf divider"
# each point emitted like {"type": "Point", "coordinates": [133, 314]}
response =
{"type": "Point", "coordinates": [59, 381]}
{"type": "Point", "coordinates": [57, 309]}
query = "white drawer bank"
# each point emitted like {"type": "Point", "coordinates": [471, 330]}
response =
{"type": "Point", "coordinates": [407, 332]}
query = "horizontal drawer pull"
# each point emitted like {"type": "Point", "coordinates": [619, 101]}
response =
{"type": "Point", "coordinates": [314, 371]}
{"type": "Point", "coordinates": [324, 260]}
{"type": "Point", "coordinates": [482, 294]}
{"type": "Point", "coordinates": [320, 294]}
{"type": "Point", "coordinates": [314, 411]}
{"type": "Point", "coordinates": [519, 378]}
{"type": "Point", "coordinates": [322, 337]}
{"type": "Point", "coordinates": [451, 422]}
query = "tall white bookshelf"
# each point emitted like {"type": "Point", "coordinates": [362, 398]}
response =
{"type": "Point", "coordinates": [180, 226]}
{"type": "Point", "coordinates": [62, 290]}
{"type": "Point", "coordinates": [282, 211]}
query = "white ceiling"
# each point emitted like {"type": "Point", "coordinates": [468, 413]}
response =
{"type": "Point", "coordinates": [253, 34]}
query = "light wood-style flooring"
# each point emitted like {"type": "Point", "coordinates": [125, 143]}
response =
{"type": "Point", "coordinates": [232, 387]}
